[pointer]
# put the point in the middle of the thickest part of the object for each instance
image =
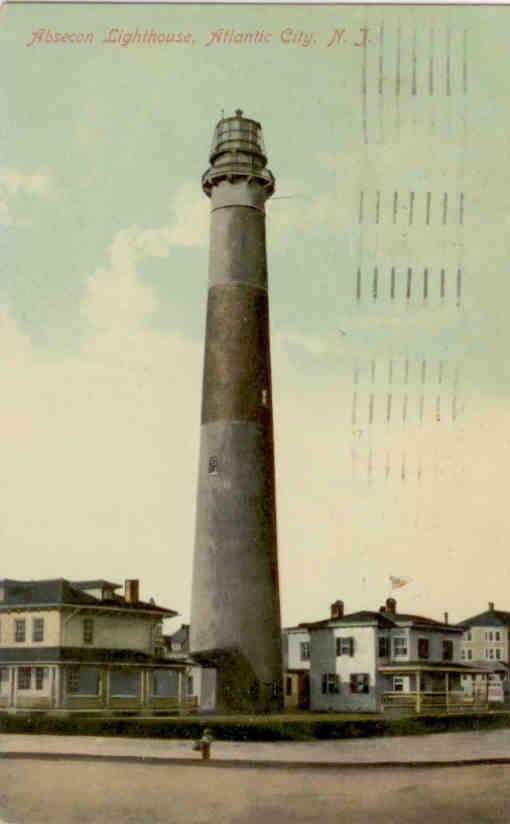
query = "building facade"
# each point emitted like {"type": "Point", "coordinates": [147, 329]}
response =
{"type": "Point", "coordinates": [485, 643]}
{"type": "Point", "coordinates": [296, 667]}
{"type": "Point", "coordinates": [74, 646]}
{"type": "Point", "coordinates": [376, 661]}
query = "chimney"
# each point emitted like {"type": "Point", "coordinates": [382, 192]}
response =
{"type": "Point", "coordinates": [491, 606]}
{"type": "Point", "coordinates": [446, 616]}
{"type": "Point", "coordinates": [391, 606]}
{"type": "Point", "coordinates": [132, 590]}
{"type": "Point", "coordinates": [337, 609]}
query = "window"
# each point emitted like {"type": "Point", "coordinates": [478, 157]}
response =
{"type": "Point", "coordinates": [19, 630]}
{"type": "Point", "coordinates": [73, 679]}
{"type": "Point", "coordinates": [463, 654]}
{"type": "Point", "coordinates": [498, 654]}
{"type": "Point", "coordinates": [330, 683]}
{"type": "Point", "coordinates": [83, 680]}
{"type": "Point", "coordinates": [423, 647]}
{"type": "Point", "coordinates": [288, 686]}
{"type": "Point", "coordinates": [489, 652]}
{"type": "Point", "coordinates": [24, 678]}
{"type": "Point", "coordinates": [345, 646]}
{"type": "Point", "coordinates": [384, 647]}
{"type": "Point", "coordinates": [399, 647]}
{"type": "Point", "coordinates": [39, 678]}
{"type": "Point", "coordinates": [88, 630]}
{"type": "Point", "coordinates": [304, 649]}
{"type": "Point", "coordinates": [469, 636]}
{"type": "Point", "coordinates": [37, 629]}
{"type": "Point", "coordinates": [359, 682]}
{"type": "Point", "coordinates": [189, 686]}
{"type": "Point", "coordinates": [398, 684]}
{"type": "Point", "coordinates": [125, 683]}
{"type": "Point", "coordinates": [488, 636]}
{"type": "Point", "coordinates": [165, 683]}
{"type": "Point", "coordinates": [212, 467]}
{"type": "Point", "coordinates": [497, 636]}
{"type": "Point", "coordinates": [469, 654]}
{"type": "Point", "coordinates": [447, 650]}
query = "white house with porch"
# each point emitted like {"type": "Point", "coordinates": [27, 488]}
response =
{"type": "Point", "coordinates": [386, 661]}
{"type": "Point", "coordinates": [81, 646]}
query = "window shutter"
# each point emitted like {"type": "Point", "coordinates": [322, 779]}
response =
{"type": "Point", "coordinates": [423, 648]}
{"type": "Point", "coordinates": [351, 646]}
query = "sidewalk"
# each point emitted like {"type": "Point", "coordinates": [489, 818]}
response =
{"type": "Point", "coordinates": [425, 750]}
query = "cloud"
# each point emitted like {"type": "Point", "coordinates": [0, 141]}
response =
{"type": "Point", "coordinates": [15, 184]}
{"type": "Point", "coordinates": [99, 468]}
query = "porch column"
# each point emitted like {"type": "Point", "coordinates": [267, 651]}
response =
{"type": "Point", "coordinates": [447, 688]}
{"type": "Point", "coordinates": [145, 688]}
{"type": "Point", "coordinates": [107, 687]}
{"type": "Point", "coordinates": [51, 674]}
{"type": "Point", "coordinates": [12, 687]}
{"type": "Point", "coordinates": [486, 690]}
{"type": "Point", "coordinates": [180, 688]}
{"type": "Point", "coordinates": [418, 692]}
{"type": "Point", "coordinates": [63, 686]}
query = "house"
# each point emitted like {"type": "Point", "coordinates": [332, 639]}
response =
{"type": "Point", "coordinates": [177, 644]}
{"type": "Point", "coordinates": [371, 661]}
{"type": "Point", "coordinates": [296, 667]}
{"type": "Point", "coordinates": [486, 636]}
{"type": "Point", "coordinates": [73, 646]}
{"type": "Point", "coordinates": [486, 644]}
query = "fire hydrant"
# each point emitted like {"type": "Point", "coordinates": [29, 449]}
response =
{"type": "Point", "coordinates": [203, 745]}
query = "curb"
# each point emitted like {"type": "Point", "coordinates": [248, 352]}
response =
{"type": "Point", "coordinates": [229, 763]}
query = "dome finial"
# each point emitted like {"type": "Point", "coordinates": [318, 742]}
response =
{"type": "Point", "coordinates": [239, 112]}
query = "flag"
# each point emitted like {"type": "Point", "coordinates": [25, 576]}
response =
{"type": "Point", "coordinates": [401, 581]}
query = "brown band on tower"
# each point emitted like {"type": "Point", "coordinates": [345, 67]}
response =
{"type": "Point", "coordinates": [237, 375]}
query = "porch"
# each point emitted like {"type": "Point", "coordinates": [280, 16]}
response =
{"type": "Point", "coordinates": [97, 689]}
{"type": "Point", "coordinates": [419, 688]}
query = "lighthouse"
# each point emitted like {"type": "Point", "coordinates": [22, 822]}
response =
{"type": "Point", "coordinates": [235, 612]}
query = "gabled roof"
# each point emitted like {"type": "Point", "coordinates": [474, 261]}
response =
{"type": "Point", "coordinates": [489, 618]}
{"type": "Point", "coordinates": [420, 621]}
{"type": "Point", "coordinates": [53, 591]}
{"type": "Point", "coordinates": [384, 620]}
{"type": "Point", "coordinates": [59, 591]}
{"type": "Point", "coordinates": [97, 584]}
{"type": "Point", "coordinates": [180, 635]}
{"type": "Point", "coordinates": [381, 619]}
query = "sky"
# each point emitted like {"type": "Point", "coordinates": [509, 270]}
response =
{"type": "Point", "coordinates": [387, 156]}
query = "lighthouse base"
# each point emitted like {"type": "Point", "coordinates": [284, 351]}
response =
{"type": "Point", "coordinates": [238, 690]}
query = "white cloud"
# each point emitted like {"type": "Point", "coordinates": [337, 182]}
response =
{"type": "Point", "coordinates": [38, 183]}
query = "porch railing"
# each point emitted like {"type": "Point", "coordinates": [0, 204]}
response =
{"type": "Point", "coordinates": [426, 702]}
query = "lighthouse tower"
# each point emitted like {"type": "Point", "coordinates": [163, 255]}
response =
{"type": "Point", "coordinates": [235, 613]}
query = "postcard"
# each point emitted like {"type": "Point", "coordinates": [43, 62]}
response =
{"type": "Point", "coordinates": [254, 363]}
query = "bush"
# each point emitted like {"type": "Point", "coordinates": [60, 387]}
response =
{"type": "Point", "coordinates": [255, 728]}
